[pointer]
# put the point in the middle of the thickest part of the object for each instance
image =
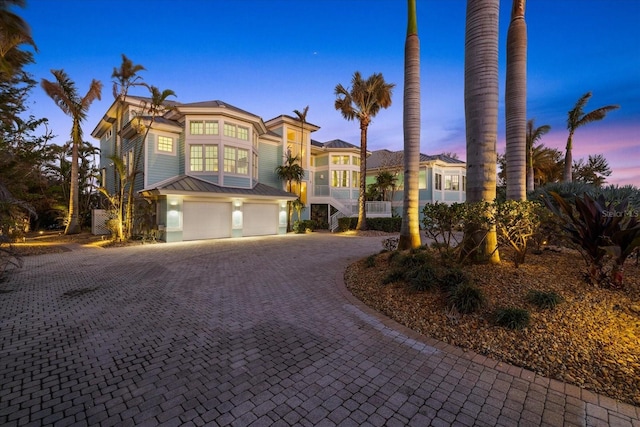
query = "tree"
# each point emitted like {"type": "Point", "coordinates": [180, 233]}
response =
{"type": "Point", "coordinates": [14, 31]}
{"type": "Point", "coordinates": [302, 116]}
{"type": "Point", "coordinates": [290, 171]}
{"type": "Point", "coordinates": [65, 95]}
{"type": "Point", "coordinates": [533, 135]}
{"type": "Point", "coordinates": [516, 102]}
{"type": "Point", "coordinates": [363, 102]}
{"type": "Point", "coordinates": [481, 113]}
{"type": "Point", "coordinates": [594, 171]}
{"type": "Point", "coordinates": [577, 118]}
{"type": "Point", "coordinates": [410, 228]}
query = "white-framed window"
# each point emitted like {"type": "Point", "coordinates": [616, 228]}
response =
{"type": "Point", "coordinates": [438, 181]}
{"type": "Point", "coordinates": [236, 160]}
{"type": "Point", "coordinates": [230, 130]}
{"type": "Point", "coordinates": [165, 145]}
{"type": "Point", "coordinates": [355, 160]}
{"type": "Point", "coordinates": [340, 178]}
{"type": "Point", "coordinates": [203, 127]}
{"type": "Point", "coordinates": [339, 160]}
{"type": "Point", "coordinates": [355, 179]}
{"type": "Point", "coordinates": [203, 158]}
{"type": "Point", "coordinates": [464, 183]}
{"type": "Point", "coordinates": [254, 169]}
{"type": "Point", "coordinates": [452, 182]}
{"type": "Point", "coordinates": [130, 162]}
{"type": "Point", "coordinates": [243, 133]}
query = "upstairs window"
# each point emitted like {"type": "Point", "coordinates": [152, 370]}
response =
{"type": "Point", "coordinates": [340, 160]}
{"type": "Point", "coordinates": [340, 178]}
{"type": "Point", "coordinates": [356, 160]}
{"type": "Point", "coordinates": [438, 181]}
{"type": "Point", "coordinates": [203, 158]}
{"type": "Point", "coordinates": [243, 133]}
{"type": "Point", "coordinates": [203, 127]}
{"type": "Point", "coordinates": [452, 182]}
{"type": "Point", "coordinates": [236, 160]}
{"type": "Point", "coordinates": [165, 144]}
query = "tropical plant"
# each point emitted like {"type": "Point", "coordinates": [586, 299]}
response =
{"type": "Point", "coordinates": [512, 317]}
{"type": "Point", "coordinates": [606, 233]}
{"type": "Point", "coordinates": [65, 95]}
{"type": "Point", "coordinates": [481, 115]}
{"type": "Point", "coordinates": [577, 118]}
{"type": "Point", "coordinates": [443, 223]}
{"type": "Point", "coordinates": [517, 223]}
{"type": "Point", "coordinates": [594, 171]}
{"type": "Point", "coordinates": [545, 300]}
{"type": "Point", "coordinates": [534, 134]}
{"type": "Point", "coordinates": [466, 298]}
{"type": "Point", "coordinates": [14, 32]}
{"type": "Point", "coordinates": [516, 103]}
{"type": "Point", "coordinates": [290, 171]}
{"type": "Point", "coordinates": [362, 102]}
{"type": "Point", "coordinates": [410, 230]}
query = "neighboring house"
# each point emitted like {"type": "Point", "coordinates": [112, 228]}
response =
{"type": "Point", "coordinates": [208, 169]}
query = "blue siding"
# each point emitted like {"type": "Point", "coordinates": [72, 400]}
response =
{"type": "Point", "coordinates": [236, 181]}
{"type": "Point", "coordinates": [215, 179]}
{"type": "Point", "coordinates": [160, 166]}
{"type": "Point", "coordinates": [181, 154]}
{"type": "Point", "coordinates": [268, 160]}
{"type": "Point", "coordinates": [322, 160]}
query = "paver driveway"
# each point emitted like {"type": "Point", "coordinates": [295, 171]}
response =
{"type": "Point", "coordinates": [254, 331]}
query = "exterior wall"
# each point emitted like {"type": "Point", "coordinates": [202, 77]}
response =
{"type": "Point", "coordinates": [160, 166]}
{"type": "Point", "coordinates": [269, 157]}
{"type": "Point", "coordinates": [236, 181]}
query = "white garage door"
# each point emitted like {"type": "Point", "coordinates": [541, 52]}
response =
{"type": "Point", "coordinates": [260, 219]}
{"type": "Point", "coordinates": [206, 220]}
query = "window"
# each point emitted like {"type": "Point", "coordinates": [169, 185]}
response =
{"type": "Point", "coordinates": [438, 183]}
{"type": "Point", "coordinates": [356, 160]}
{"type": "Point", "coordinates": [422, 179]}
{"type": "Point", "coordinates": [109, 133]}
{"type": "Point", "coordinates": [203, 127]}
{"type": "Point", "coordinates": [243, 133]}
{"type": "Point", "coordinates": [203, 158]}
{"type": "Point", "coordinates": [254, 169]}
{"type": "Point", "coordinates": [130, 161]}
{"type": "Point", "coordinates": [340, 160]}
{"type": "Point", "coordinates": [210, 127]}
{"type": "Point", "coordinates": [165, 144]}
{"type": "Point", "coordinates": [464, 183]}
{"type": "Point", "coordinates": [339, 178]}
{"type": "Point", "coordinates": [236, 160]}
{"type": "Point", "coordinates": [355, 179]}
{"type": "Point", "coordinates": [452, 182]}
{"type": "Point", "coordinates": [230, 130]}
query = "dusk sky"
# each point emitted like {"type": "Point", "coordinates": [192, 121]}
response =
{"type": "Point", "coordinates": [270, 57]}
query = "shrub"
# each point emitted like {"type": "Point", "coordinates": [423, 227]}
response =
{"type": "Point", "coordinates": [543, 299]}
{"type": "Point", "coordinates": [411, 260]}
{"type": "Point", "coordinates": [370, 261]}
{"type": "Point", "coordinates": [423, 278]}
{"type": "Point", "coordinates": [345, 223]}
{"type": "Point", "coordinates": [512, 317]}
{"type": "Point", "coordinates": [388, 225]}
{"type": "Point", "coordinates": [8, 256]}
{"type": "Point", "coordinates": [442, 223]}
{"type": "Point", "coordinates": [466, 298]}
{"type": "Point", "coordinates": [304, 226]}
{"type": "Point", "coordinates": [390, 244]}
{"type": "Point", "coordinates": [516, 224]}
{"type": "Point", "coordinates": [452, 278]}
{"type": "Point", "coordinates": [395, 275]}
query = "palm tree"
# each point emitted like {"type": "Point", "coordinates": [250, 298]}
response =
{"type": "Point", "coordinates": [65, 95]}
{"type": "Point", "coordinates": [302, 116]}
{"type": "Point", "coordinates": [577, 117]}
{"type": "Point", "coordinates": [385, 181]}
{"type": "Point", "coordinates": [410, 229]}
{"type": "Point", "coordinates": [363, 102]}
{"type": "Point", "coordinates": [481, 111]}
{"type": "Point", "coordinates": [290, 172]}
{"type": "Point", "coordinates": [533, 135]}
{"type": "Point", "coordinates": [14, 31]}
{"type": "Point", "coordinates": [516, 103]}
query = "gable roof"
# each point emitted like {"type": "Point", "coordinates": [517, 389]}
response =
{"type": "Point", "coordinates": [216, 104]}
{"type": "Point", "coordinates": [335, 143]}
{"type": "Point", "coordinates": [182, 184]}
{"type": "Point", "coordinates": [386, 158]}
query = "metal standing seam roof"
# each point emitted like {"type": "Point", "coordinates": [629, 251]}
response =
{"type": "Point", "coordinates": [192, 184]}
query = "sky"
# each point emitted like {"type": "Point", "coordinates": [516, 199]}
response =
{"type": "Point", "coordinates": [270, 57]}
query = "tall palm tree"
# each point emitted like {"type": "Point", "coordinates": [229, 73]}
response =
{"type": "Point", "coordinates": [302, 116]}
{"type": "Point", "coordinates": [481, 110]}
{"type": "Point", "coordinates": [363, 102]}
{"type": "Point", "coordinates": [577, 118]}
{"type": "Point", "coordinates": [65, 95]}
{"type": "Point", "coordinates": [533, 135]}
{"type": "Point", "coordinates": [14, 31]}
{"type": "Point", "coordinates": [516, 103]}
{"type": "Point", "coordinates": [290, 171]}
{"type": "Point", "coordinates": [385, 182]}
{"type": "Point", "coordinates": [410, 228]}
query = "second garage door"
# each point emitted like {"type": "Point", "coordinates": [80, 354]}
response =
{"type": "Point", "coordinates": [260, 219]}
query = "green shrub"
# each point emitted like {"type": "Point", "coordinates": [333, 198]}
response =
{"type": "Point", "coordinates": [452, 278]}
{"type": "Point", "coordinates": [423, 278]}
{"type": "Point", "coordinates": [390, 244]}
{"type": "Point", "coordinates": [411, 260]}
{"type": "Point", "coordinates": [543, 299]}
{"type": "Point", "coordinates": [370, 261]}
{"type": "Point", "coordinates": [388, 225]}
{"type": "Point", "coordinates": [303, 226]}
{"type": "Point", "coordinates": [512, 317]}
{"type": "Point", "coordinates": [516, 224]}
{"type": "Point", "coordinates": [466, 298]}
{"type": "Point", "coordinates": [345, 224]}
{"type": "Point", "coordinates": [395, 275]}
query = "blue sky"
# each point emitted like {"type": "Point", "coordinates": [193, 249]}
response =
{"type": "Point", "coordinates": [270, 57]}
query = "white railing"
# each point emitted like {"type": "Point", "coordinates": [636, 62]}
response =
{"type": "Point", "coordinates": [334, 220]}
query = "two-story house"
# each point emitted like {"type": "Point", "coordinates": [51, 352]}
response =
{"type": "Point", "coordinates": [208, 169]}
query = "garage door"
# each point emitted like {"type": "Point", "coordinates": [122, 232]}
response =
{"type": "Point", "coordinates": [260, 219]}
{"type": "Point", "coordinates": [206, 220]}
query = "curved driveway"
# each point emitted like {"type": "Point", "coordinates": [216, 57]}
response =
{"type": "Point", "coordinates": [252, 331]}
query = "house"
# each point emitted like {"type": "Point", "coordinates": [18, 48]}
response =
{"type": "Point", "coordinates": [207, 169]}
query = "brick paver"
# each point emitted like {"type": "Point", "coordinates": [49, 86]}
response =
{"type": "Point", "coordinates": [252, 331]}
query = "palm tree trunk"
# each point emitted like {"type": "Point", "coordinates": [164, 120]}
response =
{"type": "Point", "coordinates": [362, 214]}
{"type": "Point", "coordinates": [568, 160]}
{"type": "Point", "coordinates": [530, 173]}
{"type": "Point", "coordinates": [410, 229]}
{"type": "Point", "coordinates": [516, 103]}
{"type": "Point", "coordinates": [73, 225]}
{"type": "Point", "coordinates": [481, 109]}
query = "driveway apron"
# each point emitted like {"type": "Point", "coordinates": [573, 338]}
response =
{"type": "Point", "coordinates": [246, 332]}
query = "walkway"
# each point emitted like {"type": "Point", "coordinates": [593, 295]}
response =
{"type": "Point", "coordinates": [245, 332]}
